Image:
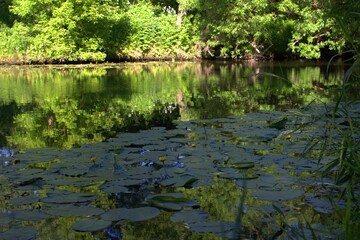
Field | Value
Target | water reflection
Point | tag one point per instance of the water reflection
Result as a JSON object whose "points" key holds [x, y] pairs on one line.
{"points": [[5, 153], [66, 106]]}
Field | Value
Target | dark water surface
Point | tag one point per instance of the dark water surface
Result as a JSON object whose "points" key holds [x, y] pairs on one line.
{"points": [[66, 106]]}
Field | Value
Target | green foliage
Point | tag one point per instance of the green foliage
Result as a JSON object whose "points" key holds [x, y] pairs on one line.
{"points": [[73, 30], [153, 34], [69, 30], [14, 42], [5, 16], [314, 33], [346, 16]]}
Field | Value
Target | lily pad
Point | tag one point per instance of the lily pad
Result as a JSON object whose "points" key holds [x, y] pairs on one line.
{"points": [[19, 233], [69, 210], [211, 226], [30, 215], [63, 197], [169, 197], [139, 171], [277, 196], [91, 225], [129, 182], [256, 147], [269, 209], [170, 206], [133, 214], [243, 165], [73, 171], [321, 205], [113, 187], [190, 216], [279, 124], [25, 200], [238, 176], [5, 218], [179, 181]]}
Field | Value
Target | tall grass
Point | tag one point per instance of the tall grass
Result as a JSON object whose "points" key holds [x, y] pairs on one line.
{"points": [[341, 139]]}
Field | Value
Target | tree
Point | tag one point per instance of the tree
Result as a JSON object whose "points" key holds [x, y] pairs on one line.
{"points": [[71, 30], [346, 17], [90, 30], [5, 16]]}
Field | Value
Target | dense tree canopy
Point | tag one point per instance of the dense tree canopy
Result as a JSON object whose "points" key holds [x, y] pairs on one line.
{"points": [[89, 30]]}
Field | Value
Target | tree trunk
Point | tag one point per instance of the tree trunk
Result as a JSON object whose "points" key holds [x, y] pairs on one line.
{"points": [[180, 14]]}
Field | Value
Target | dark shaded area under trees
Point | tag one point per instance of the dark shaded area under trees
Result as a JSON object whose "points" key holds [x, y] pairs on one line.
{"points": [[95, 31]]}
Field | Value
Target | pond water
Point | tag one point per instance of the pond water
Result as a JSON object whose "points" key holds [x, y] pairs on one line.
{"points": [[166, 151], [66, 106]]}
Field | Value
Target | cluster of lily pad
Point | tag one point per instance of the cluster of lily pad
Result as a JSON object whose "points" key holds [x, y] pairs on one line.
{"points": [[143, 174]]}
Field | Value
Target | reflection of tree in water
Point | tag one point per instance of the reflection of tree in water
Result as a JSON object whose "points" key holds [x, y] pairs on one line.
{"points": [[162, 115], [63, 124], [7, 114], [86, 105]]}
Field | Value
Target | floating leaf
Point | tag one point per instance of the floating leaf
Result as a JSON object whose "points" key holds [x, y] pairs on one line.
{"points": [[179, 181], [256, 147], [321, 205], [29, 179], [5, 218], [211, 226], [243, 165], [169, 197], [91, 225], [25, 200], [277, 196], [238, 176], [19, 233], [279, 124], [74, 171], [129, 182], [189, 216], [70, 210], [113, 187], [68, 197], [228, 170], [133, 214], [139, 170], [269, 209], [166, 205], [30, 215]]}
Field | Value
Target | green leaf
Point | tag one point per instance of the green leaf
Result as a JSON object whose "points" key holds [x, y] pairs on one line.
{"points": [[132, 214], [19, 233], [70, 210], [91, 225], [189, 216]]}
